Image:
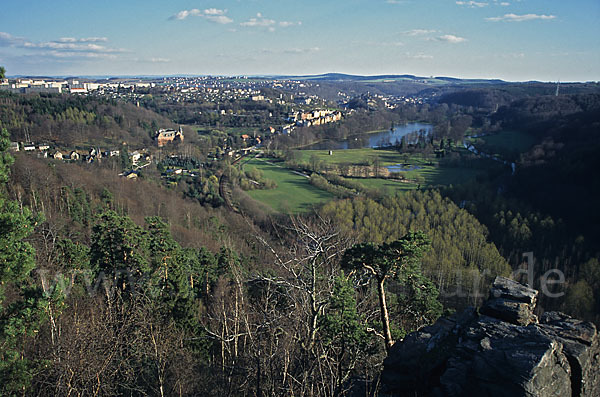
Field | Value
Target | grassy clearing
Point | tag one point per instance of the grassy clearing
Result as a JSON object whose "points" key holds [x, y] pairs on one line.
{"points": [[431, 173], [357, 156], [443, 175], [390, 186], [293, 194]]}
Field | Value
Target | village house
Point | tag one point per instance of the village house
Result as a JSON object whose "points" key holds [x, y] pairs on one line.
{"points": [[303, 100], [57, 155], [287, 129], [74, 155], [135, 157], [130, 174], [43, 146], [164, 136], [14, 146]]}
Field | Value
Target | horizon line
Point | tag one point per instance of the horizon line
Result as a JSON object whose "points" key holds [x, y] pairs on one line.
{"points": [[292, 76]]}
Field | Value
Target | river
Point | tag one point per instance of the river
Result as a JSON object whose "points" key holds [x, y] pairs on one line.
{"points": [[375, 139]]}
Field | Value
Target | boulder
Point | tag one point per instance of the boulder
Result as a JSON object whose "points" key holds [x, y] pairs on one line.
{"points": [[500, 351], [511, 302]]}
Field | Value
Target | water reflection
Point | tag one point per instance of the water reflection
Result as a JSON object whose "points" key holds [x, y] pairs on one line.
{"points": [[411, 132]]}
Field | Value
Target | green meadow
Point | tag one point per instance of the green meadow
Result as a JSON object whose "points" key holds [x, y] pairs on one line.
{"points": [[430, 173], [293, 194]]}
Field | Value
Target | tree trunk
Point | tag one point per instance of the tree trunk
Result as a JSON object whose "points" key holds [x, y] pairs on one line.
{"points": [[385, 318]]}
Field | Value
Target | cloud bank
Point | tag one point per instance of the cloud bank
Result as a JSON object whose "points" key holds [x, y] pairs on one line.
{"points": [[261, 22], [472, 4], [450, 38], [211, 14], [520, 18], [64, 47]]}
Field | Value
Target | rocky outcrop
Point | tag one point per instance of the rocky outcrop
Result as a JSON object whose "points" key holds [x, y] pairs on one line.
{"points": [[511, 302], [501, 350]]}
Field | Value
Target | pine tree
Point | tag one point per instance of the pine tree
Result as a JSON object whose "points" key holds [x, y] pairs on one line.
{"points": [[22, 303], [398, 259], [119, 252]]}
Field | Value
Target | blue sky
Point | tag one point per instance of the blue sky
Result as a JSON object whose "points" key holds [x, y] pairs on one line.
{"points": [[515, 40]]}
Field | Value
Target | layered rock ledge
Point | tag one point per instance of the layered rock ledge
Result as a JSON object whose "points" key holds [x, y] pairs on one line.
{"points": [[500, 350]]}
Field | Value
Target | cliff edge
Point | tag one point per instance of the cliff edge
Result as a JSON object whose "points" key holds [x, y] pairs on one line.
{"points": [[501, 350]]}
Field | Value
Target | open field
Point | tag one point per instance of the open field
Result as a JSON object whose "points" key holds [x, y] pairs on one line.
{"points": [[293, 194], [358, 156], [430, 172], [391, 186], [443, 175], [239, 131]]}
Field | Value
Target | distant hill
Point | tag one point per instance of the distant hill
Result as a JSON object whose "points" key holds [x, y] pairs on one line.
{"points": [[389, 77]]}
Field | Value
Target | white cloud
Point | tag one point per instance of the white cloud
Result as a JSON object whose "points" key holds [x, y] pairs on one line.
{"points": [[391, 44], [520, 18], [77, 55], [450, 38], [65, 47], [8, 40], [285, 24], [83, 40], [504, 4], [396, 1], [71, 46], [184, 14], [418, 32], [259, 21], [270, 24], [301, 50], [220, 19], [293, 50], [150, 60], [211, 14], [513, 55], [214, 11], [418, 56], [472, 4]]}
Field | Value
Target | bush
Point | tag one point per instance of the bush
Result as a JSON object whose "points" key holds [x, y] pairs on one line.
{"points": [[270, 184], [322, 183]]}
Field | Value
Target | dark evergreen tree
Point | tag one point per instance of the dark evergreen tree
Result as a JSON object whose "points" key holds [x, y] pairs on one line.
{"points": [[22, 303], [398, 260]]}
